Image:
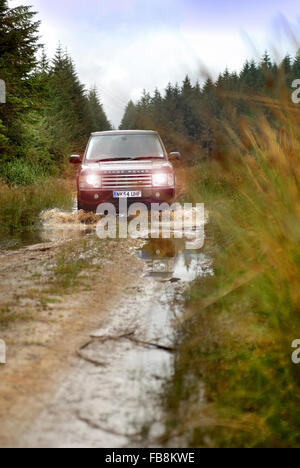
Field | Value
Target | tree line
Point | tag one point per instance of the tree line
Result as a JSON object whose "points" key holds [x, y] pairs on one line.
{"points": [[192, 118], [48, 112]]}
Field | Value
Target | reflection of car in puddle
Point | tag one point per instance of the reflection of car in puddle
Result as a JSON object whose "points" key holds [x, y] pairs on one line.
{"points": [[168, 260]]}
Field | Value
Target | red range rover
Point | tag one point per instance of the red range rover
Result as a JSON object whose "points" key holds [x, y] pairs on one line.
{"points": [[132, 164]]}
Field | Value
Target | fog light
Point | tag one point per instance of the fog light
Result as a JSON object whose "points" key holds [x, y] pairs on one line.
{"points": [[157, 194], [96, 196]]}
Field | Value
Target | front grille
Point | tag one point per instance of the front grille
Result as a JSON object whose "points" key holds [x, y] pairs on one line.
{"points": [[113, 181]]}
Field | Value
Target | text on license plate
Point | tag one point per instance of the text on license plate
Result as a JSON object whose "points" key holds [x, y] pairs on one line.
{"points": [[128, 194]]}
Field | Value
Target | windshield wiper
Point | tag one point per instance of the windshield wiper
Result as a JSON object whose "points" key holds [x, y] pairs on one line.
{"points": [[148, 157]]}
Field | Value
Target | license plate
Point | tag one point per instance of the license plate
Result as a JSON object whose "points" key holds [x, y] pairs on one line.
{"points": [[128, 194]]}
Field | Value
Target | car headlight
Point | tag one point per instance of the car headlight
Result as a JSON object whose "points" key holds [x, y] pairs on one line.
{"points": [[162, 179], [90, 181]]}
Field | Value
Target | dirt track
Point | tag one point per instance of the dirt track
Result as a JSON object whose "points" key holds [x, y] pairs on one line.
{"points": [[87, 362], [44, 344]]}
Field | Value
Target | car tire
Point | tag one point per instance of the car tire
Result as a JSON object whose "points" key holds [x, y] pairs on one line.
{"points": [[79, 206]]}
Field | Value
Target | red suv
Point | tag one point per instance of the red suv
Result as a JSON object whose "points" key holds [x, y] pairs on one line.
{"points": [[130, 164]]}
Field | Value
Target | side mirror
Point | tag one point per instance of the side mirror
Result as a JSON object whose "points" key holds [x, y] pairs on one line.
{"points": [[175, 155], [75, 159]]}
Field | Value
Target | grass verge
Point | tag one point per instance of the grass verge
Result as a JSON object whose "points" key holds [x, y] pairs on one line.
{"points": [[20, 206], [235, 384]]}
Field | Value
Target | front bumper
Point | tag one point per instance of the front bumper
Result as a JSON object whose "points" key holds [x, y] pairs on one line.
{"points": [[89, 199]]}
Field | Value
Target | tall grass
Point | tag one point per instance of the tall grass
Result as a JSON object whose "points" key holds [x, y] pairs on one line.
{"points": [[19, 172], [20, 206], [240, 324]]}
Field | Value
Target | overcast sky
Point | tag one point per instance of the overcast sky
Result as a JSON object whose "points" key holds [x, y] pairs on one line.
{"points": [[124, 46]]}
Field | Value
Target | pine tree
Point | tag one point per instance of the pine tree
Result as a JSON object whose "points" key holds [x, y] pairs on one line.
{"points": [[98, 118], [296, 66], [286, 64], [266, 63], [68, 110], [18, 47], [187, 86], [43, 64], [129, 120]]}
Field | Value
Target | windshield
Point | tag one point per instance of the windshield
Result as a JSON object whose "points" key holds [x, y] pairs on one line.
{"points": [[124, 147]]}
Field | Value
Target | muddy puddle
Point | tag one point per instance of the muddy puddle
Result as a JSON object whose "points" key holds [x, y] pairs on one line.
{"points": [[112, 396], [54, 225], [57, 225]]}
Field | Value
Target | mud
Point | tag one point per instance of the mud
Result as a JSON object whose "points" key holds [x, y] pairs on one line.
{"points": [[110, 396]]}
